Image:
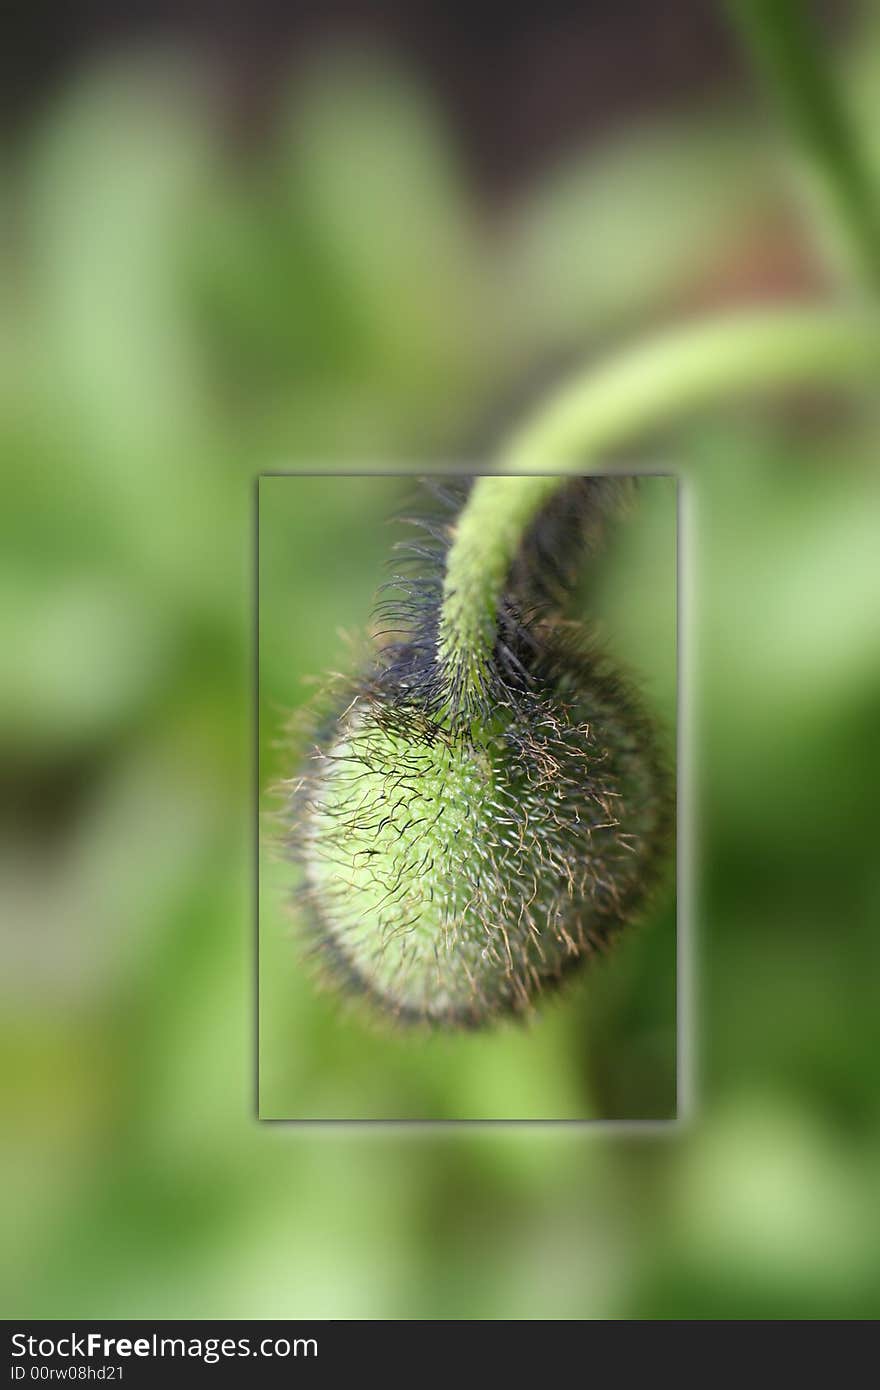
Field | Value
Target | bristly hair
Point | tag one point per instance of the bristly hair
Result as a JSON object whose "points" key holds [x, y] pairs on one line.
{"points": [[542, 578], [573, 846]]}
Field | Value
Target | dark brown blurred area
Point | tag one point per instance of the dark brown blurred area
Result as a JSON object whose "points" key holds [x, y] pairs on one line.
{"points": [[520, 85]]}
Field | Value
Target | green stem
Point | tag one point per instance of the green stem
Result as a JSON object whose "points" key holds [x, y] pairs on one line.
{"points": [[692, 366], [607, 407], [488, 535], [786, 44]]}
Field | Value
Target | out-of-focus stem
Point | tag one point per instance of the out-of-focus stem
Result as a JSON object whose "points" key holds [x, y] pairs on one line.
{"points": [[786, 45], [611, 405]]}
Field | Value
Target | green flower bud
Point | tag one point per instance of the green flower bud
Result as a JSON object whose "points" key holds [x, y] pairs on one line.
{"points": [[459, 864]]}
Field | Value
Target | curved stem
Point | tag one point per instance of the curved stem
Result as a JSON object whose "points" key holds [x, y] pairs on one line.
{"points": [[686, 368], [605, 408]]}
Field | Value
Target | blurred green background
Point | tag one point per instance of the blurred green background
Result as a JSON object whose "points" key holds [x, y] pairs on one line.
{"points": [[185, 308], [608, 1050]]}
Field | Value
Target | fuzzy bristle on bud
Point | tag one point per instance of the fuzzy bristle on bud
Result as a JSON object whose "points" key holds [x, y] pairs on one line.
{"points": [[455, 872]]}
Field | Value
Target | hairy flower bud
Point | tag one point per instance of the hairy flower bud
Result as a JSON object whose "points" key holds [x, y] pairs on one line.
{"points": [[458, 867]]}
